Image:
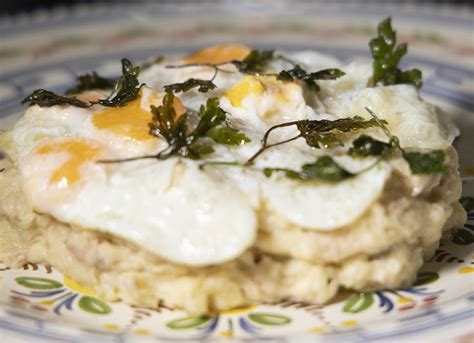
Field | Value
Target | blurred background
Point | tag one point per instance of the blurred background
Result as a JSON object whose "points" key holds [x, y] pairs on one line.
{"points": [[18, 6]]}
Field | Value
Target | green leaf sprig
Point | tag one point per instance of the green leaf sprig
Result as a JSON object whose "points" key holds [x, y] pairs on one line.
{"points": [[324, 169], [227, 135], [427, 163], [45, 98], [316, 133], [90, 82], [420, 163], [309, 79], [365, 146], [255, 63], [186, 141], [386, 56], [127, 87], [202, 86]]}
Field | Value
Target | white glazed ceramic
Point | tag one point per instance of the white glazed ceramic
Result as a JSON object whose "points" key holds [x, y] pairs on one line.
{"points": [[47, 50]]}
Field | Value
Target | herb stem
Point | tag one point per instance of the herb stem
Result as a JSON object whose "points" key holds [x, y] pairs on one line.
{"points": [[385, 129], [127, 159], [286, 59], [266, 147], [210, 65]]}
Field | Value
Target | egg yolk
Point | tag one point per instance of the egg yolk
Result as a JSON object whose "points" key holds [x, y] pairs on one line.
{"points": [[247, 85], [220, 53], [79, 152], [257, 85], [130, 121]]}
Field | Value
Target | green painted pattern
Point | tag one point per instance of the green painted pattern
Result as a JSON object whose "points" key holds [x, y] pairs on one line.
{"points": [[265, 318], [358, 303], [188, 322], [38, 282], [94, 305]]}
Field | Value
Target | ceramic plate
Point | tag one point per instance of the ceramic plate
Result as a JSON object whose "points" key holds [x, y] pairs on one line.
{"points": [[47, 50]]}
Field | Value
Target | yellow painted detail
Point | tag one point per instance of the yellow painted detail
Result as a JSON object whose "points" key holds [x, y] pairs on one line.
{"points": [[317, 329], [47, 302], [143, 332], [239, 310], [247, 85], [466, 270], [220, 53], [111, 326], [226, 333], [348, 323], [79, 152], [405, 300], [75, 286]]}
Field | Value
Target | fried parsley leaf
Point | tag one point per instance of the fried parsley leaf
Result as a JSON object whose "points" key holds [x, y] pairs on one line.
{"points": [[386, 56], [255, 62], [90, 82], [44, 98], [426, 163], [127, 87], [227, 135], [204, 86], [185, 141], [165, 123], [309, 79], [365, 146], [319, 133], [210, 116], [324, 169]]}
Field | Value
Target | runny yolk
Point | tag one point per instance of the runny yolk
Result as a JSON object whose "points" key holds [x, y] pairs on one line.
{"points": [[246, 86], [130, 121], [257, 85], [79, 152], [219, 54]]}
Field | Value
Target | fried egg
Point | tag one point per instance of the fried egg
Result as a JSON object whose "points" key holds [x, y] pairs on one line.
{"points": [[172, 208], [198, 216]]}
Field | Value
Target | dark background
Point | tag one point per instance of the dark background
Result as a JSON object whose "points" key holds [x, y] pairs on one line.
{"points": [[12, 7]]}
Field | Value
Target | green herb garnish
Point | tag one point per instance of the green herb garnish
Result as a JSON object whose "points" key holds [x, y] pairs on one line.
{"points": [[183, 141], [324, 169], [90, 82], [386, 56], [203, 86], [420, 163], [309, 79], [166, 124], [44, 98], [127, 87], [365, 146], [255, 62], [227, 135], [317, 133], [426, 163]]}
